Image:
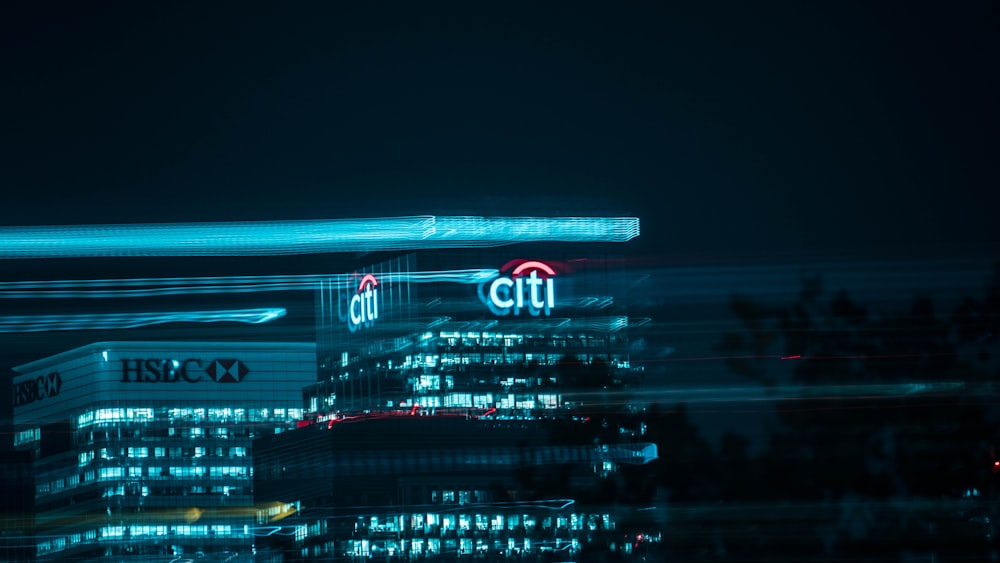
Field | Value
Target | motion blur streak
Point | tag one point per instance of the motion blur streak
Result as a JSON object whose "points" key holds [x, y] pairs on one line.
{"points": [[475, 459], [777, 393], [151, 287], [265, 238], [43, 323]]}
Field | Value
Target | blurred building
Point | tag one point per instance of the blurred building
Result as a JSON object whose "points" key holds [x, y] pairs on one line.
{"points": [[143, 449], [418, 487], [468, 403], [16, 506], [473, 331]]}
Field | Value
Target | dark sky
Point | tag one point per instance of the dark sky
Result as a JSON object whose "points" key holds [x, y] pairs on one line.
{"points": [[729, 128], [738, 132]]}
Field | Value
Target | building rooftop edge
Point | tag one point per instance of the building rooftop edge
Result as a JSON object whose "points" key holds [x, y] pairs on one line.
{"points": [[141, 344]]}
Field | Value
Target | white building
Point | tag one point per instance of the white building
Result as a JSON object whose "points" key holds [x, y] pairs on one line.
{"points": [[143, 448]]}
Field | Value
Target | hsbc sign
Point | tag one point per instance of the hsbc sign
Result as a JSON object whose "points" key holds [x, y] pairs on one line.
{"points": [[43, 386], [187, 371]]}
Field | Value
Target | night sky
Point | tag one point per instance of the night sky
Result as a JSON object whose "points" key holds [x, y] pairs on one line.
{"points": [[754, 140], [738, 132], [730, 129]]}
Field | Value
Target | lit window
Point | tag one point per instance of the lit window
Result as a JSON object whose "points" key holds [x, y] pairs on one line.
{"points": [[112, 472], [27, 436]]}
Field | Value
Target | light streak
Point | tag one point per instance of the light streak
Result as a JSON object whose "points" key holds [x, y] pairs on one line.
{"points": [[103, 321], [696, 395], [265, 238], [152, 287]]}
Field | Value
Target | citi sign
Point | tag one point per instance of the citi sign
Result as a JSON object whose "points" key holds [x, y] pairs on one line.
{"points": [[43, 386], [363, 307], [189, 371], [529, 286]]}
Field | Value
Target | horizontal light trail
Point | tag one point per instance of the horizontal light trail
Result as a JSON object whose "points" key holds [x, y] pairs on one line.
{"points": [[467, 460], [45, 323], [265, 238], [151, 287], [691, 395]]}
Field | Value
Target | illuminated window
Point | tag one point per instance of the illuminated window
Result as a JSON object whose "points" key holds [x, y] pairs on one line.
{"points": [[85, 458], [112, 472], [458, 400], [139, 415], [112, 532], [548, 400], [27, 436]]}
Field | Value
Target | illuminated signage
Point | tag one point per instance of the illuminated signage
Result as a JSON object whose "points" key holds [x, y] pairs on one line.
{"points": [[27, 392], [363, 307], [529, 286], [173, 371]]}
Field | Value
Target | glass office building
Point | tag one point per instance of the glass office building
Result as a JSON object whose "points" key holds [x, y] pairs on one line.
{"points": [[472, 331], [413, 487], [452, 416], [143, 449]]}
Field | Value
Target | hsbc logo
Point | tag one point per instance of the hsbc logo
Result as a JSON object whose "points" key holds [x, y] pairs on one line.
{"points": [[529, 286], [43, 386], [190, 371], [227, 371], [363, 307]]}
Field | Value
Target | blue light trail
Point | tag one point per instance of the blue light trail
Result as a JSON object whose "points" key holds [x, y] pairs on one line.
{"points": [[45, 323], [151, 287], [265, 238]]}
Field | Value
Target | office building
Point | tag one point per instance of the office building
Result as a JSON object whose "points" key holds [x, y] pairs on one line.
{"points": [[143, 449]]}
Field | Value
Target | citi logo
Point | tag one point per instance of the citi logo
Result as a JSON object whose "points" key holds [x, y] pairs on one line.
{"points": [[27, 392], [363, 308], [530, 285]]}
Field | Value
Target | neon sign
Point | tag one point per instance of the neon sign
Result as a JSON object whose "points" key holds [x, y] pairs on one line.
{"points": [[363, 308], [530, 285]]}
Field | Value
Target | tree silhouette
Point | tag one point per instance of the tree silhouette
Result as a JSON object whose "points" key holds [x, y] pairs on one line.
{"points": [[893, 412]]}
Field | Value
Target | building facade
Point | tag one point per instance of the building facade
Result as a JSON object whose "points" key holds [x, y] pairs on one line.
{"points": [[469, 404], [143, 449], [412, 487], [473, 331]]}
